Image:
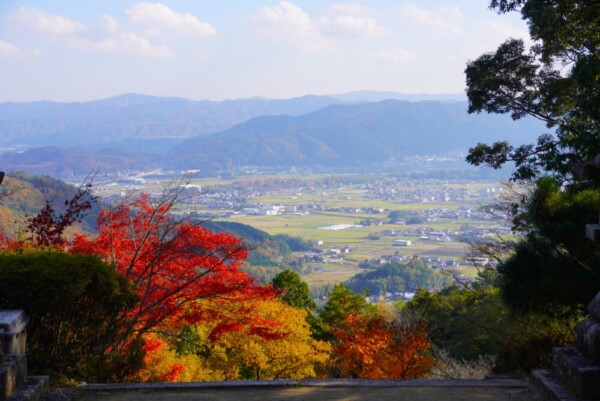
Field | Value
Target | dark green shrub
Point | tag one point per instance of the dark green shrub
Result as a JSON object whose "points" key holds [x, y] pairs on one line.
{"points": [[468, 323], [77, 309]]}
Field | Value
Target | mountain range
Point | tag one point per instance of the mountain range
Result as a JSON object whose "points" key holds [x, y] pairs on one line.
{"points": [[117, 120], [138, 132], [344, 135]]}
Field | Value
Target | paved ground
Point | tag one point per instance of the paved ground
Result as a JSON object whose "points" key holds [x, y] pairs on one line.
{"points": [[313, 390]]}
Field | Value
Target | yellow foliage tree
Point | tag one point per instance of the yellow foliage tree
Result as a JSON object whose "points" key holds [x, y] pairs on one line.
{"points": [[277, 345], [289, 352]]}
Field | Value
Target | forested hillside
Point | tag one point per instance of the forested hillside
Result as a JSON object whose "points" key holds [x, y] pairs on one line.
{"points": [[268, 254], [64, 163], [22, 195], [399, 277]]}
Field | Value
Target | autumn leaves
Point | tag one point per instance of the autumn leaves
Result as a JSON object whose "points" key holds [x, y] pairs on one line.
{"points": [[199, 316]]}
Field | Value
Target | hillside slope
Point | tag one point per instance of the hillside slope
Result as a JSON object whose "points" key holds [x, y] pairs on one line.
{"points": [[65, 163], [23, 195]]}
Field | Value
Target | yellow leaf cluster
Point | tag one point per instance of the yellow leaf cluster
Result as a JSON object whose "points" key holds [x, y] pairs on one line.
{"points": [[287, 352]]}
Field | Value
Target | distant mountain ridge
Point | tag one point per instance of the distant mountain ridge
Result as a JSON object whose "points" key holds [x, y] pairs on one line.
{"points": [[344, 135], [131, 116], [143, 132], [378, 96], [115, 121]]}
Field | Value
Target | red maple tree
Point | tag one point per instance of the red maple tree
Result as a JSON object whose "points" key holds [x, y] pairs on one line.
{"points": [[47, 228], [173, 263]]}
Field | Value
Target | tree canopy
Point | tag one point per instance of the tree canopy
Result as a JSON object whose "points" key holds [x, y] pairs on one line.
{"points": [[77, 306], [294, 291], [557, 80], [398, 277], [554, 267], [173, 263]]}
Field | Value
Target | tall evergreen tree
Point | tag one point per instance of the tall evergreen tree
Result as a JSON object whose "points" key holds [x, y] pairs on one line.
{"points": [[294, 291], [554, 267]]}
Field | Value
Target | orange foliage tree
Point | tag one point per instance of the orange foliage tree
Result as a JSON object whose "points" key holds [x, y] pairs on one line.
{"points": [[382, 347], [173, 263]]}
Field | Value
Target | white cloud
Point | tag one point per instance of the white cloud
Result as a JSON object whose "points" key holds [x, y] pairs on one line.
{"points": [[355, 9], [46, 23], [444, 20], [394, 56], [10, 51], [500, 30], [352, 19], [288, 23], [120, 41], [78, 36], [488, 34], [160, 17]]}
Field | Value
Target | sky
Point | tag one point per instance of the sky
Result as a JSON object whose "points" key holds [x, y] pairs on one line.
{"points": [[64, 50]]}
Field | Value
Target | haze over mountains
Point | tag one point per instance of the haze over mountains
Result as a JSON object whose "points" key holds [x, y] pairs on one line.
{"points": [[131, 116], [136, 132]]}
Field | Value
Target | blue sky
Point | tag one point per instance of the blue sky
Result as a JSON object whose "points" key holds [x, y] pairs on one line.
{"points": [[68, 50]]}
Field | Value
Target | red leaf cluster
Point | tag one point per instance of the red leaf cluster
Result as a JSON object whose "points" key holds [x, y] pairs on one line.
{"points": [[377, 347], [173, 263]]}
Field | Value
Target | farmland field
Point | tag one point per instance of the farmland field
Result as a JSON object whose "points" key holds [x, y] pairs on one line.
{"points": [[309, 204]]}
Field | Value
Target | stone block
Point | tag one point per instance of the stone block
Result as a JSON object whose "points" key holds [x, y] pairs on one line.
{"points": [[546, 387], [588, 340], [592, 232], [594, 308], [573, 369], [35, 389], [13, 374], [13, 324]]}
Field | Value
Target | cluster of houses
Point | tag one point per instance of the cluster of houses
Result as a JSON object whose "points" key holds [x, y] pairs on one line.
{"points": [[330, 255], [461, 213], [435, 262], [466, 234], [425, 191], [391, 296], [415, 191]]}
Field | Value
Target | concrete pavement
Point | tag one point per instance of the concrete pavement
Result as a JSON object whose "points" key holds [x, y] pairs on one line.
{"points": [[314, 390]]}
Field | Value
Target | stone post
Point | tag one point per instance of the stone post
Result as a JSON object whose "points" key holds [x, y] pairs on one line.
{"points": [[13, 362]]}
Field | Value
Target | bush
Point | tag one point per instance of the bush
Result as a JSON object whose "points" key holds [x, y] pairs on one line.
{"points": [[76, 305], [468, 323], [447, 367]]}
